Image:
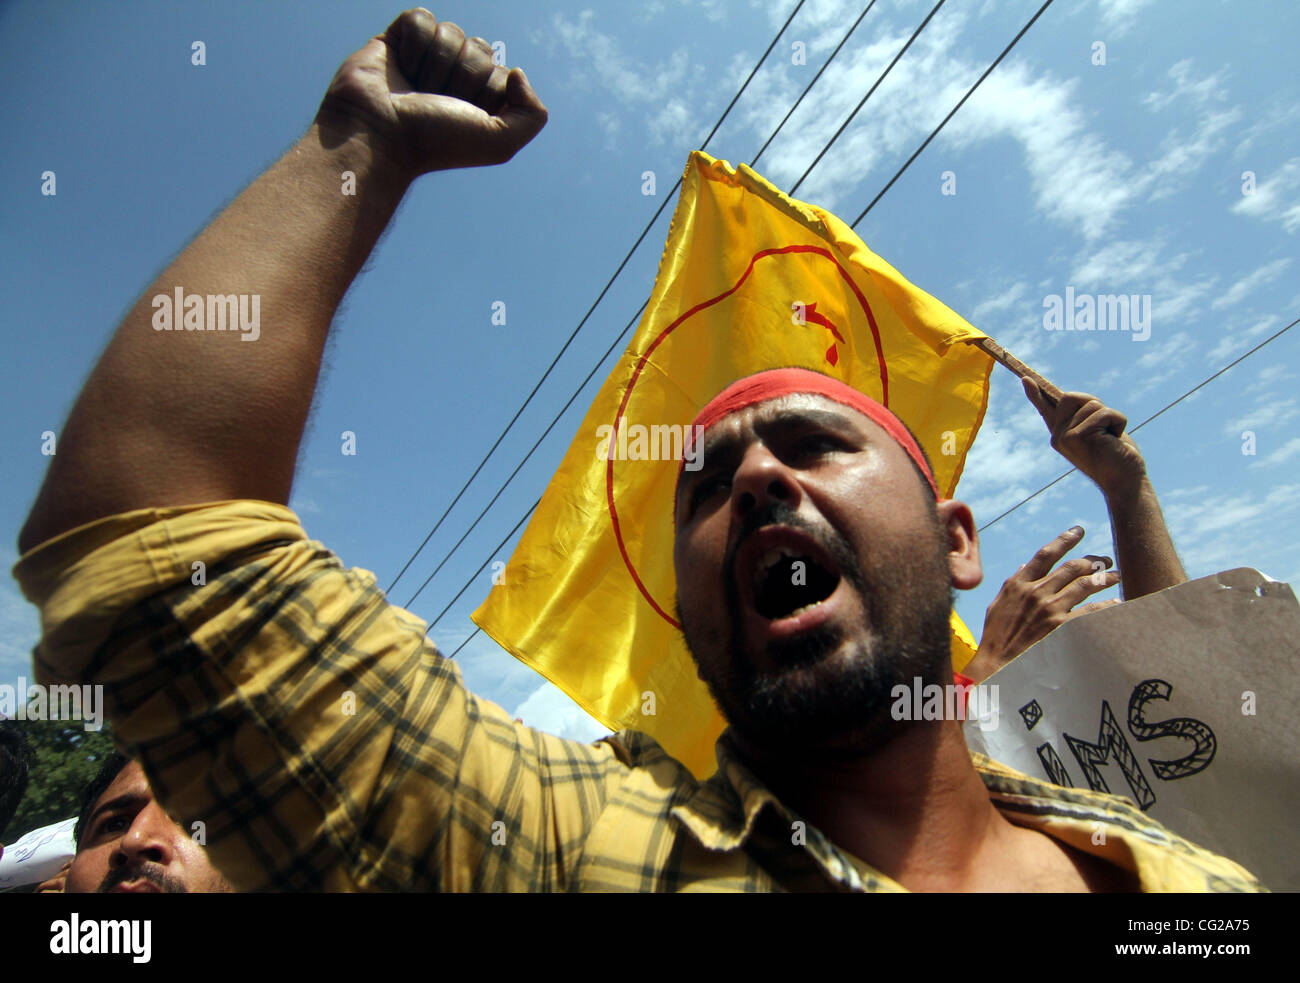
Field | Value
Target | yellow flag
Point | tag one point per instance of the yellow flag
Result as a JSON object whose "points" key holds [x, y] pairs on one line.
{"points": [[750, 279]]}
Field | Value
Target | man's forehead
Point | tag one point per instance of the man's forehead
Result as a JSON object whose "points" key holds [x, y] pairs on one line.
{"points": [[129, 781], [788, 409]]}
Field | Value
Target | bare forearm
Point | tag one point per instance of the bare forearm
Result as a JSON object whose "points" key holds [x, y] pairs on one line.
{"points": [[1143, 548], [174, 417]]}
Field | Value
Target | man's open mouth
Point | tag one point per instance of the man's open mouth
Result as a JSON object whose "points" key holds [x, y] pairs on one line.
{"points": [[782, 573]]}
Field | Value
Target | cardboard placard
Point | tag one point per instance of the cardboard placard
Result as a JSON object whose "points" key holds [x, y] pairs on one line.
{"points": [[1186, 702]]}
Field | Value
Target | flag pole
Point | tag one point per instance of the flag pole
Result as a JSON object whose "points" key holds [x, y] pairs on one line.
{"points": [[1001, 355]]}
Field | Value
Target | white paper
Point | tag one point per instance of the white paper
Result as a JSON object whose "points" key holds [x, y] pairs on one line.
{"points": [[38, 855]]}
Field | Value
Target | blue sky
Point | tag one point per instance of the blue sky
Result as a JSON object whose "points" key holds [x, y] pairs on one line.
{"points": [[1125, 177]]}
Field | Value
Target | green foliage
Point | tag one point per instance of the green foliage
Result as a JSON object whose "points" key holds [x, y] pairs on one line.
{"points": [[65, 759]]}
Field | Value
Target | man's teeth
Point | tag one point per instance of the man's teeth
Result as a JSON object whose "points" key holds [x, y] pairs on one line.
{"points": [[798, 611], [770, 559]]}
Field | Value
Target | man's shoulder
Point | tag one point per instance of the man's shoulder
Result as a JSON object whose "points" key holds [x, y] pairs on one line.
{"points": [[1113, 828], [638, 751]]}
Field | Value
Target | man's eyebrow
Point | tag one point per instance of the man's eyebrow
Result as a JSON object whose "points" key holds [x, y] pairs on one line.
{"points": [[130, 798], [803, 417], [718, 450]]}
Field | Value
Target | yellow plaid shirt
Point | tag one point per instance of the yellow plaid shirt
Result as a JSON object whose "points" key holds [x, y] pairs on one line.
{"points": [[277, 697]]}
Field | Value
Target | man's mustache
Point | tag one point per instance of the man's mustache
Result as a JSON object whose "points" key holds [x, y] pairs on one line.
{"points": [[780, 514], [154, 873]]}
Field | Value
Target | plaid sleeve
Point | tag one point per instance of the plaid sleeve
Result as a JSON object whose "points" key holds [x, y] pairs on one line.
{"points": [[278, 699]]}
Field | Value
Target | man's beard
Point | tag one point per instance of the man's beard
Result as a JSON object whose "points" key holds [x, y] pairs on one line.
{"points": [[821, 699]]}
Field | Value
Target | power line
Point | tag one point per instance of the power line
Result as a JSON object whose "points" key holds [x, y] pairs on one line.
{"points": [[1133, 430], [594, 304], [634, 317], [952, 113], [472, 636], [901, 51], [825, 65], [473, 525], [505, 539], [537, 443]]}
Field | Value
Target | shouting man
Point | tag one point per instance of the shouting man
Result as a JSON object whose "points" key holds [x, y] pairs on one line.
{"points": [[230, 692]]}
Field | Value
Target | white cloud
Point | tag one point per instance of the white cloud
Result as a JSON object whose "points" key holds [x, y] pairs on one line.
{"points": [[20, 627], [1278, 115], [1275, 198], [1201, 93], [1074, 177], [1141, 266], [1248, 284], [548, 708], [714, 10], [1268, 411], [1236, 339], [1119, 15], [486, 667], [1217, 529], [1001, 302], [1284, 453], [1014, 317], [1127, 261], [1163, 357], [650, 88], [1180, 158], [305, 506], [1268, 375]]}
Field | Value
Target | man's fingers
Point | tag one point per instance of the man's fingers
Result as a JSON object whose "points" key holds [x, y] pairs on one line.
{"points": [[441, 58], [1042, 562], [410, 37], [1094, 420], [493, 97], [1095, 606], [1086, 586], [426, 50], [1079, 413], [1035, 394], [524, 114], [471, 72], [1070, 571]]}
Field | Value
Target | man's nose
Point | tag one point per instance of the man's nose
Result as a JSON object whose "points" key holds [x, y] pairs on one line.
{"points": [[761, 479], [149, 837]]}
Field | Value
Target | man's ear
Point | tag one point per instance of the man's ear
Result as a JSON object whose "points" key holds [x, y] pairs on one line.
{"points": [[963, 543]]}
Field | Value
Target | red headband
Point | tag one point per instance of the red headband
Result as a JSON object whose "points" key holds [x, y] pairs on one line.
{"points": [[773, 383]]}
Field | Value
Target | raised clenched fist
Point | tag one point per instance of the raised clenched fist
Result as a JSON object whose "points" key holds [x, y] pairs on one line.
{"points": [[426, 98]]}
